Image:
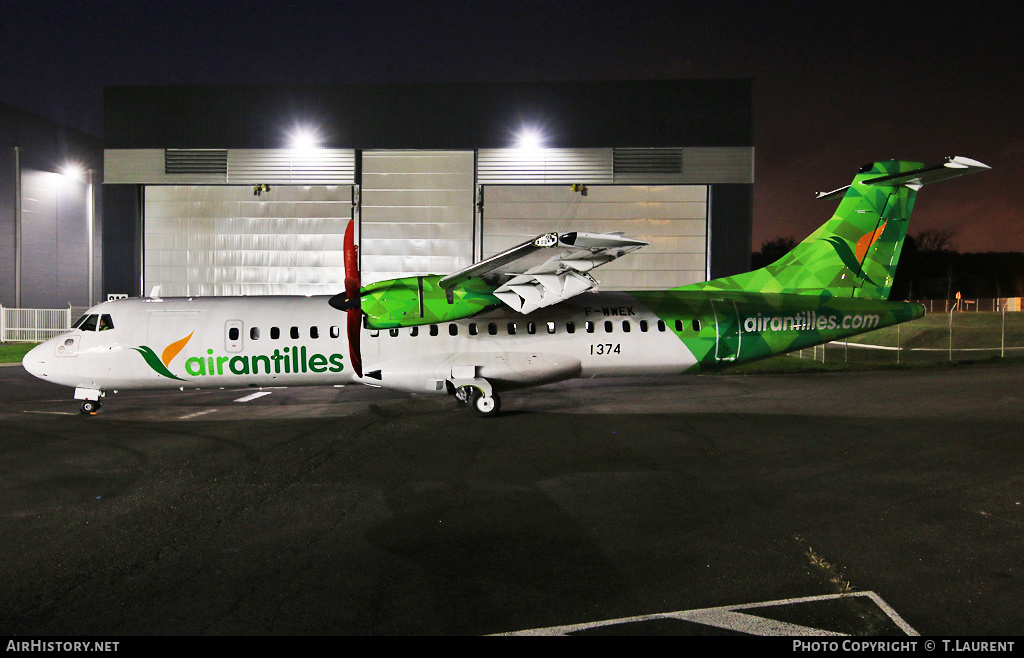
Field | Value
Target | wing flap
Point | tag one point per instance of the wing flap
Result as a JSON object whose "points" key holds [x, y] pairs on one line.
{"points": [[547, 269]]}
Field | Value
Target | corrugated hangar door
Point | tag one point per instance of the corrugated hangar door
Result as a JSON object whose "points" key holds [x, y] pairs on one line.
{"points": [[226, 240], [416, 213], [672, 218]]}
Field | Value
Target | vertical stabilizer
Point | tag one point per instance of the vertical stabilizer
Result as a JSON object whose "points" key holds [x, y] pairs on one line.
{"points": [[855, 253]]}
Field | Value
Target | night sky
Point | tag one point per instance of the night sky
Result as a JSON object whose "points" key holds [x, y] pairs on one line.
{"points": [[836, 85]]}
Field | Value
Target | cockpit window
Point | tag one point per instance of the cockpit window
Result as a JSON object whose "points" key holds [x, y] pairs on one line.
{"points": [[93, 322], [87, 323]]}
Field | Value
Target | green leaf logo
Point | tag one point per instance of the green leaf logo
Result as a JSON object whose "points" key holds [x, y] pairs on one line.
{"points": [[160, 365]]}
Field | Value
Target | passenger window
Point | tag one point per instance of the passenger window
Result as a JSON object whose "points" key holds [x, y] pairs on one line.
{"points": [[679, 325], [393, 332], [414, 331], [275, 333], [433, 330], [335, 332], [492, 328], [254, 333], [453, 330], [233, 333], [696, 324], [511, 328], [374, 333], [643, 325], [531, 328], [570, 327], [295, 333], [89, 324], [551, 327], [607, 326], [314, 332], [472, 328], [661, 325], [625, 326], [590, 327]]}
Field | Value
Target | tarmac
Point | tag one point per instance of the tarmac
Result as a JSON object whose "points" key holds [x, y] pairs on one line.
{"points": [[867, 503]]}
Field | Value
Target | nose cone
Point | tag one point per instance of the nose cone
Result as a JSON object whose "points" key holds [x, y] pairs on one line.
{"points": [[35, 360]]}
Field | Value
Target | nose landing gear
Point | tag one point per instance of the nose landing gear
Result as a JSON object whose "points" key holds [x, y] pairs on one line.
{"points": [[90, 407], [90, 400]]}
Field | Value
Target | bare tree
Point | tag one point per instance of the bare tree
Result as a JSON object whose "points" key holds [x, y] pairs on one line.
{"points": [[936, 240], [1018, 285]]}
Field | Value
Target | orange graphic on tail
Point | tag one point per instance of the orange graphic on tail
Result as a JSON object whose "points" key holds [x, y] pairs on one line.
{"points": [[866, 241]]}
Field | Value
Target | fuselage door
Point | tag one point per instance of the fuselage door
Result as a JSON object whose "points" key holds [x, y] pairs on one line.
{"points": [[727, 329], [233, 336]]}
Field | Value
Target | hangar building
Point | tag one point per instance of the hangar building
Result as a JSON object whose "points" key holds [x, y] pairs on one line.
{"points": [[49, 233], [247, 190]]}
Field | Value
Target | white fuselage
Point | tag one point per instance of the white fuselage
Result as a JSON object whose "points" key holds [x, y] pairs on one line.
{"points": [[301, 341]]}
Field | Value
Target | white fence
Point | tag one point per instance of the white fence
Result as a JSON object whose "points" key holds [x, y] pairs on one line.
{"points": [[33, 324]]}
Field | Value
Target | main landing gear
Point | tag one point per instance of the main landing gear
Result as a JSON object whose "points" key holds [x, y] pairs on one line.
{"points": [[484, 406], [471, 389]]}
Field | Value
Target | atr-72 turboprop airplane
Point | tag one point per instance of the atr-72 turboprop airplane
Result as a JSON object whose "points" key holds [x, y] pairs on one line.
{"points": [[516, 319]]}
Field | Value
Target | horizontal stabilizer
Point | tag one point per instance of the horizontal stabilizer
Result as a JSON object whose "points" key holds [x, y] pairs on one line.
{"points": [[953, 167]]}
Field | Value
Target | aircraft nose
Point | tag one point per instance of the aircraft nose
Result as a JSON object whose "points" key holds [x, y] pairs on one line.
{"points": [[39, 361], [35, 360]]}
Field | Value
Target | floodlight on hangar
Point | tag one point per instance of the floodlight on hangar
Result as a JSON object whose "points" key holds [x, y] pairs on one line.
{"points": [[529, 138], [73, 170], [303, 138]]}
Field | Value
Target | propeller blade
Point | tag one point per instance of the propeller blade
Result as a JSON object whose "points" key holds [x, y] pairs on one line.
{"points": [[351, 302], [355, 319]]}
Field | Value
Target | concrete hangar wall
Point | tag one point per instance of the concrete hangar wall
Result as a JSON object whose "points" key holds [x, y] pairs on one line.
{"points": [[208, 193]]}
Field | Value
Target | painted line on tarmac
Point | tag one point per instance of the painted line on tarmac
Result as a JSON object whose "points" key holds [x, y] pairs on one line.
{"points": [[51, 413], [254, 396], [733, 618], [192, 415]]}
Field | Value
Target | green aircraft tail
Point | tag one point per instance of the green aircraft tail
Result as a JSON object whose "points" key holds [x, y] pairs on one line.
{"points": [[854, 254]]}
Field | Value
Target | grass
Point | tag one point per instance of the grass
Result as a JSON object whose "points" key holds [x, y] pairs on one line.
{"points": [[13, 352]]}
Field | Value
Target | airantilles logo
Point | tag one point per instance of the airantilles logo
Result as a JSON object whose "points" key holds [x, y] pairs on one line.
{"points": [[291, 360], [160, 364], [854, 258]]}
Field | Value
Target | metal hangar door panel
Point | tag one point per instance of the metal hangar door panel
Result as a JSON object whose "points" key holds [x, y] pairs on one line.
{"points": [[672, 218], [207, 240], [416, 213]]}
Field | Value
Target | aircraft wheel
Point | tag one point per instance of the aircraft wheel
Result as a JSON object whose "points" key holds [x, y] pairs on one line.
{"points": [[464, 394], [484, 407], [90, 407]]}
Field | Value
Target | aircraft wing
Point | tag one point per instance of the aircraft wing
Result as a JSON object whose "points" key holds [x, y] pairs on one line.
{"points": [[547, 269]]}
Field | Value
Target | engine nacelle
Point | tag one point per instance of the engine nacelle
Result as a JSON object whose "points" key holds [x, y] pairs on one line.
{"points": [[504, 370], [418, 300]]}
